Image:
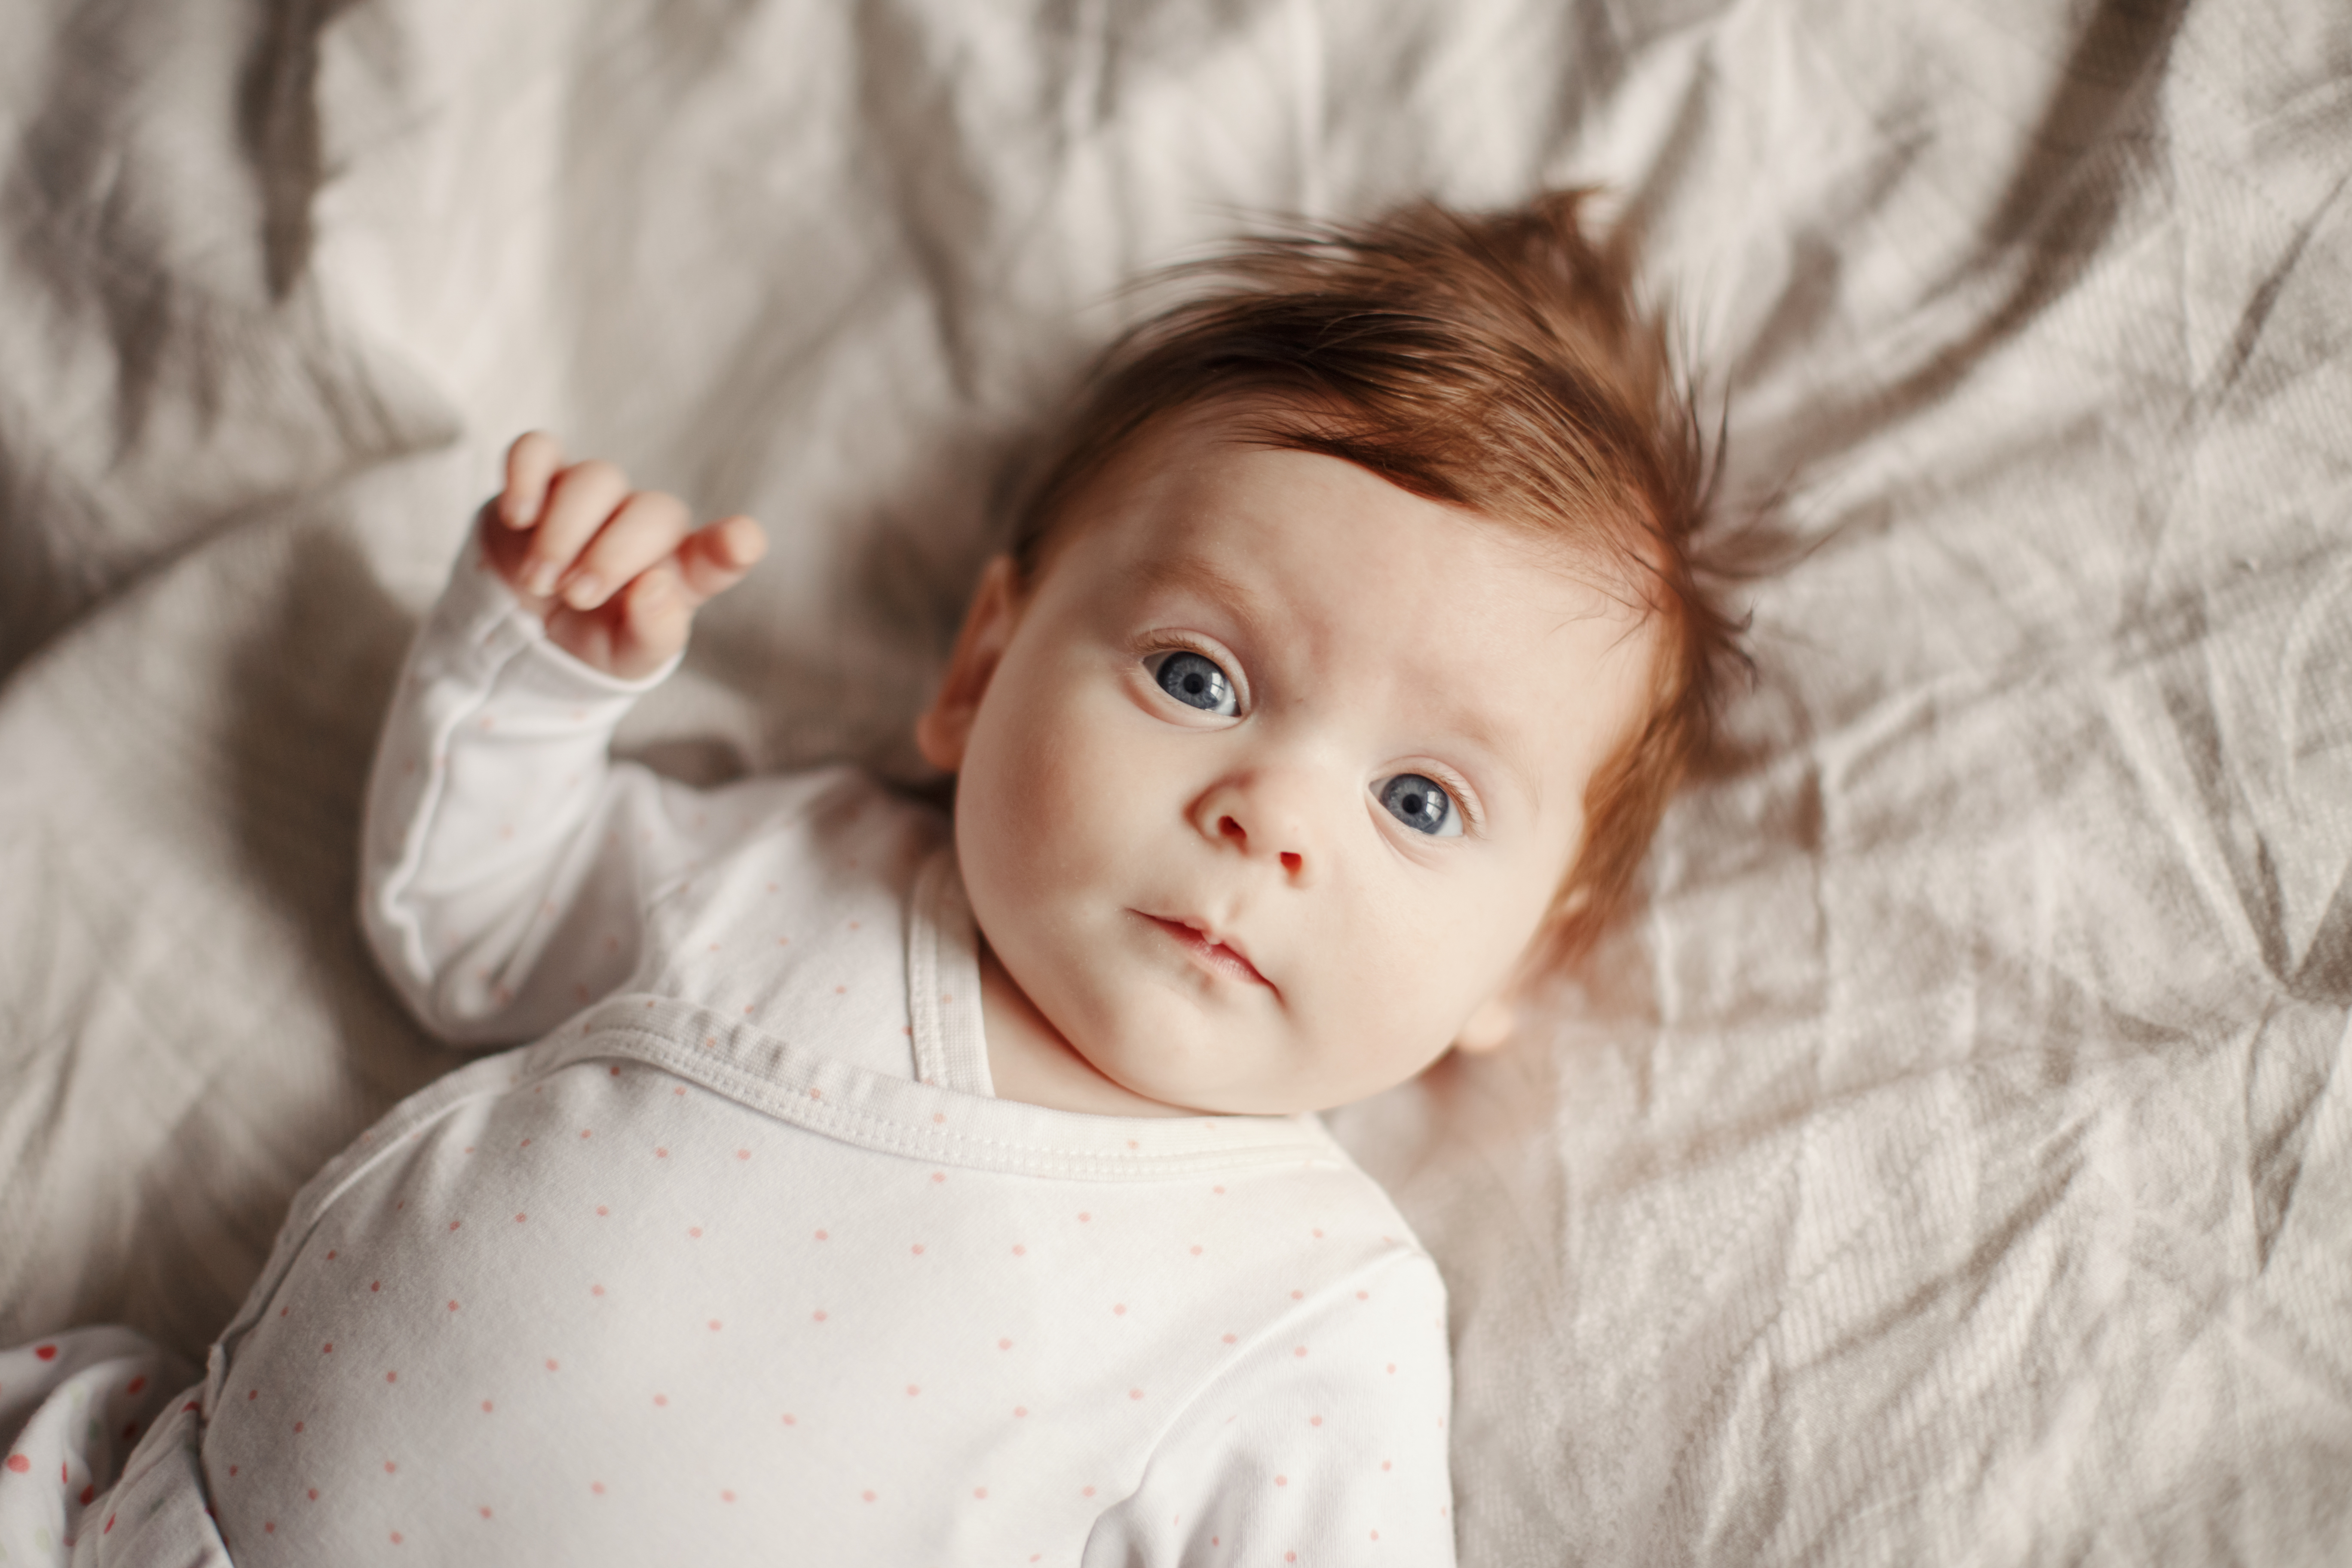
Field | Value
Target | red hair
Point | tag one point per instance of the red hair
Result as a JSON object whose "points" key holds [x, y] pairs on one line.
{"points": [[1497, 362]]}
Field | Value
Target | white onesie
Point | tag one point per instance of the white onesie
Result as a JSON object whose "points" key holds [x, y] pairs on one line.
{"points": [[742, 1261]]}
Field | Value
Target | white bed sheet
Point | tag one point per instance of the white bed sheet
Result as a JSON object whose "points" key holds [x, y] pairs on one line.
{"points": [[1951, 1160]]}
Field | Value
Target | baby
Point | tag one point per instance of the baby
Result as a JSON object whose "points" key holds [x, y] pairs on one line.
{"points": [[884, 1190]]}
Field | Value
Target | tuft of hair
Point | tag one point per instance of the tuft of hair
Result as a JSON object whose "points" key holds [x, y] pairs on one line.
{"points": [[1499, 362]]}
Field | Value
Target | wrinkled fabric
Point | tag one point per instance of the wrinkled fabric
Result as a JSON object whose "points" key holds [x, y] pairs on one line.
{"points": [[74, 1408], [1947, 1161]]}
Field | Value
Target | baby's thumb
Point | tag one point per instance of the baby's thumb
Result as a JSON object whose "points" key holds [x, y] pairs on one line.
{"points": [[716, 556]]}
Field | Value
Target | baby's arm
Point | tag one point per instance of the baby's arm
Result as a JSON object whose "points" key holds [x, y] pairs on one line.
{"points": [[507, 861]]}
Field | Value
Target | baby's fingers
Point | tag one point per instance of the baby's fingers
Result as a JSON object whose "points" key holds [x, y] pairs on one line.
{"points": [[531, 462], [715, 557], [648, 621], [646, 528], [641, 625], [583, 495]]}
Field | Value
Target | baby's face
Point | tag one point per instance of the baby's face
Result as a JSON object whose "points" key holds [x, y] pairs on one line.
{"points": [[1277, 769]]}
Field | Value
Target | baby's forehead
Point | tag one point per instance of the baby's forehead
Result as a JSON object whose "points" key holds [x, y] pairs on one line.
{"points": [[1196, 482]]}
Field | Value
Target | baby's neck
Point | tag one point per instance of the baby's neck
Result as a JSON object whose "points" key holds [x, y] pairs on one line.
{"points": [[1029, 1060]]}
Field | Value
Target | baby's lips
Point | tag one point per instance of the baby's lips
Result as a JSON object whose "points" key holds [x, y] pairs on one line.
{"points": [[1219, 948], [1227, 948]]}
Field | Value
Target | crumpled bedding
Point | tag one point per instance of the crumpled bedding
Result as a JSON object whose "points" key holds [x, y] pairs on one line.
{"points": [[1949, 1160]]}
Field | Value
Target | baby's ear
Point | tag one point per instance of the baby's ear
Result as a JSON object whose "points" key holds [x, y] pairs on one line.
{"points": [[1492, 1022], [1491, 1026], [945, 729]]}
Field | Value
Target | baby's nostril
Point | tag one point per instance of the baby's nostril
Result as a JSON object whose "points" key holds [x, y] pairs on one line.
{"points": [[1290, 862], [1230, 828]]}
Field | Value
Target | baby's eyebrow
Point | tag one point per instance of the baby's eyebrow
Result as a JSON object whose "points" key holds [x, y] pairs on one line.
{"points": [[1198, 575]]}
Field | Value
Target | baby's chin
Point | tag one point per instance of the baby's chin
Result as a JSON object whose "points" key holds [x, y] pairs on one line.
{"points": [[1183, 1044], [1212, 1078], [1197, 1046]]}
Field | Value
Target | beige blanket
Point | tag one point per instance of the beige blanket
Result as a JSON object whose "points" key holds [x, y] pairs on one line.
{"points": [[1950, 1162]]}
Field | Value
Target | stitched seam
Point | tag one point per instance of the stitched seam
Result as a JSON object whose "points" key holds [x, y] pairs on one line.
{"points": [[863, 1127]]}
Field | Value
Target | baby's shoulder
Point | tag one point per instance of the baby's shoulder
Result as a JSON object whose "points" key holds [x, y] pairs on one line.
{"points": [[797, 916], [822, 829]]}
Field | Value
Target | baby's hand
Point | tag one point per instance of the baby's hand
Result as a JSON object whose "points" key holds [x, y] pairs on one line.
{"points": [[616, 573]]}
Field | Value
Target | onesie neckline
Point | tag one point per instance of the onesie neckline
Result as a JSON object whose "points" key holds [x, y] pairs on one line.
{"points": [[946, 1110]]}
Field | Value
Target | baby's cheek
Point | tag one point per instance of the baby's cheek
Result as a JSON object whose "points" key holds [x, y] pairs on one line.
{"points": [[1039, 833], [1382, 1029], [1411, 970]]}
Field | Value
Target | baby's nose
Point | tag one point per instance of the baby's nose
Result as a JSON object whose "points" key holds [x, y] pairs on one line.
{"points": [[1293, 861], [1260, 819]]}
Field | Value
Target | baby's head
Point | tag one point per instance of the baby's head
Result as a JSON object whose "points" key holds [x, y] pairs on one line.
{"points": [[1345, 655]]}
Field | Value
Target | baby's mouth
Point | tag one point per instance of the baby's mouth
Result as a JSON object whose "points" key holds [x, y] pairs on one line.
{"points": [[1217, 957]]}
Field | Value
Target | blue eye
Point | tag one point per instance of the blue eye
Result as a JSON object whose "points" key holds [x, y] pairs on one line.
{"points": [[1421, 804], [1196, 682]]}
